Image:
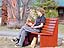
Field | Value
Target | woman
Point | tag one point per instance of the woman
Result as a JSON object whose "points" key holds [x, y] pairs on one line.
{"points": [[36, 27]]}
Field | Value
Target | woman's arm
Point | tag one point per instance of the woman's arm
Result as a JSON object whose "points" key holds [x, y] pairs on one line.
{"points": [[39, 26]]}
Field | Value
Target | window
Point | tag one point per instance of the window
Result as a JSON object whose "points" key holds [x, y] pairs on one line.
{"points": [[61, 11]]}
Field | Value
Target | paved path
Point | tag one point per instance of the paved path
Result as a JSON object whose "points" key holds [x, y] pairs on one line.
{"points": [[8, 33], [13, 33]]}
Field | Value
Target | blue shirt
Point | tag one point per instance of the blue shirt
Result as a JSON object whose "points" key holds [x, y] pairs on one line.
{"points": [[40, 20]]}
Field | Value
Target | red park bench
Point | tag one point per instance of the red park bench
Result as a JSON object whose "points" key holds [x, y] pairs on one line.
{"points": [[48, 34]]}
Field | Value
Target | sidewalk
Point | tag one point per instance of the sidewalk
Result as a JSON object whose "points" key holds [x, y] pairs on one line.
{"points": [[8, 33]]}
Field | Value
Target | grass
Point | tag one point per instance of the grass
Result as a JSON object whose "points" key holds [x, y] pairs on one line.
{"points": [[61, 28], [5, 28]]}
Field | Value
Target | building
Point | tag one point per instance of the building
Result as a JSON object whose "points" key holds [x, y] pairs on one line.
{"points": [[60, 9]]}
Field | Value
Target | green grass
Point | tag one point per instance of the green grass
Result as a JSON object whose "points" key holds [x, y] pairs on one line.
{"points": [[61, 28]]}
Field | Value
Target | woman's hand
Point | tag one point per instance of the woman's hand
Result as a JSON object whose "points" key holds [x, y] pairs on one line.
{"points": [[29, 24], [33, 26], [39, 26]]}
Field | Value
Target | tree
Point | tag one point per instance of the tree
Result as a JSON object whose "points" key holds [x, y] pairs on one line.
{"points": [[25, 11], [51, 7], [48, 5], [12, 13], [4, 13]]}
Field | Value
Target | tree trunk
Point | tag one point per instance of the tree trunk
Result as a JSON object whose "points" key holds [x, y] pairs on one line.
{"points": [[4, 13], [13, 13], [25, 11]]}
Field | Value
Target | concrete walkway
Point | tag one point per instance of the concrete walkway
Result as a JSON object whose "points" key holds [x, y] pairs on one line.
{"points": [[13, 33], [8, 33]]}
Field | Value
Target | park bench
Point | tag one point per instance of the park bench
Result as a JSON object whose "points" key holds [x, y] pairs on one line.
{"points": [[48, 34]]}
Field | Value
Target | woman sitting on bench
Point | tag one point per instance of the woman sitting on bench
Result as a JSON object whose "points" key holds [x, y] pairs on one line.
{"points": [[29, 27]]}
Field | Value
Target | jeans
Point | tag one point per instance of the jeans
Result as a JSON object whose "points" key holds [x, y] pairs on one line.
{"points": [[23, 33]]}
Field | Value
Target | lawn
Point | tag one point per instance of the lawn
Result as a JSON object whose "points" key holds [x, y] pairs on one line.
{"points": [[61, 28]]}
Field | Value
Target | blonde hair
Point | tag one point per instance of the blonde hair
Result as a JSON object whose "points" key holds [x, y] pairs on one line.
{"points": [[41, 10]]}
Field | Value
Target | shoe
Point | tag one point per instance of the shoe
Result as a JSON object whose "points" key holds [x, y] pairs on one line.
{"points": [[15, 39], [16, 45]]}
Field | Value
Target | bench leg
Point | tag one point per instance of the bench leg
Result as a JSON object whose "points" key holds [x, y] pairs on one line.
{"points": [[33, 43]]}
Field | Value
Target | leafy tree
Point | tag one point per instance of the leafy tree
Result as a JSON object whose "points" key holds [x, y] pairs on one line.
{"points": [[49, 5]]}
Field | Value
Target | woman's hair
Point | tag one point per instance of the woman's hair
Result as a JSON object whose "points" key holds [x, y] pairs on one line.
{"points": [[41, 10]]}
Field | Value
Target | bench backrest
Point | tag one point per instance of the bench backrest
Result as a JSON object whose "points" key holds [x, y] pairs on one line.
{"points": [[51, 25]]}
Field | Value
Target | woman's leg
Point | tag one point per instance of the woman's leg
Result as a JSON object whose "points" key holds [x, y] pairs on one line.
{"points": [[28, 29], [22, 38], [17, 38], [19, 34], [23, 33]]}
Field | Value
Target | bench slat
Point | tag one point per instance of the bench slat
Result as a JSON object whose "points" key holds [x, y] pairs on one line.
{"points": [[46, 26], [44, 33], [48, 29]]}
